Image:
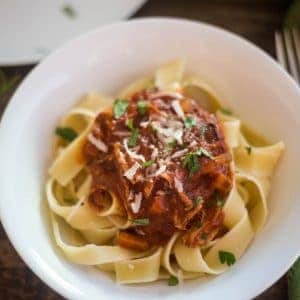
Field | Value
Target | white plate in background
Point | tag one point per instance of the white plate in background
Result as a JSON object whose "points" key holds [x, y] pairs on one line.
{"points": [[31, 29]]}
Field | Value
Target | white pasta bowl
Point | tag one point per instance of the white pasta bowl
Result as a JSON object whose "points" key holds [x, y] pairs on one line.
{"points": [[248, 80]]}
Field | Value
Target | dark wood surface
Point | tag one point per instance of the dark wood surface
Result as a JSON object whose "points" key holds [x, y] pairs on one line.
{"points": [[254, 20]]}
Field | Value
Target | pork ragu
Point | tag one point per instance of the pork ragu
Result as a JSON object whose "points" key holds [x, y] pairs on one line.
{"points": [[166, 160]]}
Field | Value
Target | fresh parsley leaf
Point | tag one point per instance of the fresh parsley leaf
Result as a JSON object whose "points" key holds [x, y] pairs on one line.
{"points": [[226, 111], [227, 257], [69, 11], [171, 145], [198, 224], [7, 85], [134, 137], [134, 133], [148, 163], [173, 281], [120, 107], [142, 107], [129, 124], [220, 201], [202, 151], [198, 200], [189, 122], [67, 133], [191, 162], [248, 149], [141, 222]]}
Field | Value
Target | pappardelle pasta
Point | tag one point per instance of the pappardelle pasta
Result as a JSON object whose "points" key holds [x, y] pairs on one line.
{"points": [[161, 183]]}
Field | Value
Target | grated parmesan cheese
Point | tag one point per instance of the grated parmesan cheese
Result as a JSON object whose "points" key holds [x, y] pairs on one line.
{"points": [[179, 153], [136, 205], [133, 154], [129, 174], [161, 170], [97, 143], [178, 185], [177, 108], [154, 154]]}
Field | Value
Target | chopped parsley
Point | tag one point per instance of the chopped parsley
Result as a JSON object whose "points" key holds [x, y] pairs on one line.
{"points": [[148, 163], [198, 224], [202, 151], [69, 11], [203, 130], [129, 124], [134, 133], [226, 111], [171, 145], [189, 122], [120, 107], [227, 257], [141, 222], [220, 201], [142, 107], [134, 137], [248, 149], [173, 280], [198, 200], [7, 85], [67, 133], [191, 162]]}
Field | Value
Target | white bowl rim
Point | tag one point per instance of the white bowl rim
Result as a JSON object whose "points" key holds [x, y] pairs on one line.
{"points": [[8, 224]]}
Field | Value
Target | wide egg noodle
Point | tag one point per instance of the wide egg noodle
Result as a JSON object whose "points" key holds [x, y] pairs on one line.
{"points": [[245, 208]]}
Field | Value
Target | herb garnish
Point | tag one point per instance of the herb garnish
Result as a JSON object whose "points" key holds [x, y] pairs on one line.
{"points": [[67, 133], [148, 163], [141, 222], [226, 111], [142, 107], [189, 122], [248, 149], [134, 133], [202, 151], [69, 11], [227, 257], [220, 201], [198, 200], [7, 84], [191, 162], [134, 137], [173, 280], [129, 124], [171, 145], [120, 107]]}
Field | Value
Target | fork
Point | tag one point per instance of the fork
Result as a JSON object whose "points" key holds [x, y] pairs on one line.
{"points": [[287, 44]]}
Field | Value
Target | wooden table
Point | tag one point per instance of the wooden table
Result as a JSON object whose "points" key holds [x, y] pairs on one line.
{"points": [[254, 20]]}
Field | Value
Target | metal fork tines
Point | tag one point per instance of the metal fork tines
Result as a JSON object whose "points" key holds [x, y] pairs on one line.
{"points": [[288, 51]]}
